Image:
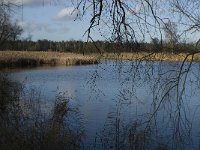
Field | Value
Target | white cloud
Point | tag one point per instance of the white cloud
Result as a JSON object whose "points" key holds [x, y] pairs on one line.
{"points": [[31, 27], [138, 6], [67, 13], [45, 28]]}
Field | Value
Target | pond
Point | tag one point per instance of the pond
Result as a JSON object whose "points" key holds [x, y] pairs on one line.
{"points": [[112, 105]]}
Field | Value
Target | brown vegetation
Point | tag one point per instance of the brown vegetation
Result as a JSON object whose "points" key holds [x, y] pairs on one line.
{"points": [[23, 59], [33, 58], [153, 56]]}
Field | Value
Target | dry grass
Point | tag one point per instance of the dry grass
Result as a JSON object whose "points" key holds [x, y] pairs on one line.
{"points": [[153, 56], [33, 58]]}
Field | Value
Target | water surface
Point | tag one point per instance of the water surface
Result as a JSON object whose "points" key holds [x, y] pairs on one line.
{"points": [[113, 105]]}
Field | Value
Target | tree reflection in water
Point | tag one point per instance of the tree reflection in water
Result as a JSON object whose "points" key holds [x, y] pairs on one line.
{"points": [[24, 125], [154, 107]]}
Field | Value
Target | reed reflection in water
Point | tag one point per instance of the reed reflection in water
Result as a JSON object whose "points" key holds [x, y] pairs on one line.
{"points": [[25, 125]]}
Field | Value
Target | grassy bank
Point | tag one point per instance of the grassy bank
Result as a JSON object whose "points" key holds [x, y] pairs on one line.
{"points": [[153, 56], [33, 58]]}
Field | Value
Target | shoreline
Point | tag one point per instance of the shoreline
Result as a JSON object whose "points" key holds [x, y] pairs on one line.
{"points": [[13, 59], [145, 56]]}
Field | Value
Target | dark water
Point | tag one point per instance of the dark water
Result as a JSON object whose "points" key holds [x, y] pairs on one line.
{"points": [[113, 105]]}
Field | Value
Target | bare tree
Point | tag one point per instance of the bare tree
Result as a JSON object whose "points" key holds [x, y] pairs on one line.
{"points": [[189, 15], [120, 18], [156, 44], [139, 20], [171, 34], [9, 30]]}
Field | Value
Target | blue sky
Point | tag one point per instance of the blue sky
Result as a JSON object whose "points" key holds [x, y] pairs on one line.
{"points": [[56, 20], [51, 20]]}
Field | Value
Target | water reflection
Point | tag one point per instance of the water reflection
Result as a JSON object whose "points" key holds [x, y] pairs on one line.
{"points": [[24, 125], [155, 107], [121, 105]]}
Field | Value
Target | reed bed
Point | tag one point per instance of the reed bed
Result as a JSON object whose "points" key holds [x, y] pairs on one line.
{"points": [[144, 56], [33, 58]]}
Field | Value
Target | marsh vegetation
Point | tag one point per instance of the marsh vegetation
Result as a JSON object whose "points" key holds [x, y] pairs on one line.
{"points": [[27, 123], [12, 59], [17, 59]]}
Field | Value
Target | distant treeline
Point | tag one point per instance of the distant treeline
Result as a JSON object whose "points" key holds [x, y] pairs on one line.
{"points": [[98, 46]]}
